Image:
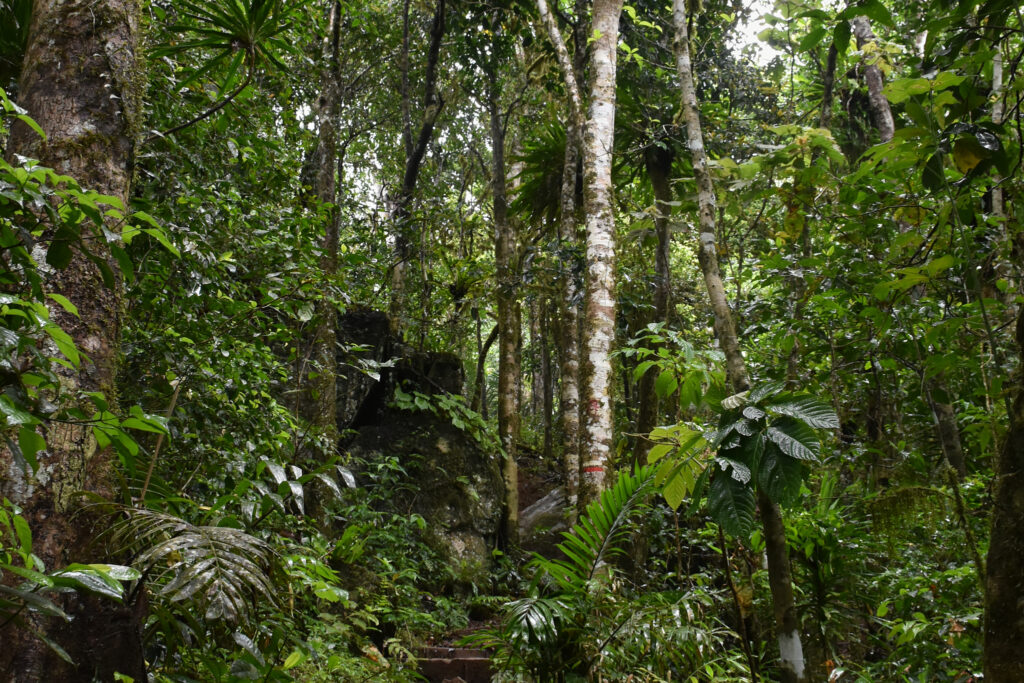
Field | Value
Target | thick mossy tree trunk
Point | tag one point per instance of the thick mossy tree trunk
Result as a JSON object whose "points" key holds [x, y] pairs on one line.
{"points": [[568, 308], [787, 621], [1003, 656], [81, 82], [599, 300]]}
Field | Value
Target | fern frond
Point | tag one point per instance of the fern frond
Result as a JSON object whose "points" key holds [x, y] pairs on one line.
{"points": [[599, 532]]}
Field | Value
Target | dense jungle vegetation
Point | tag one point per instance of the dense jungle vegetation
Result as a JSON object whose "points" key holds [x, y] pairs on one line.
{"points": [[609, 338]]}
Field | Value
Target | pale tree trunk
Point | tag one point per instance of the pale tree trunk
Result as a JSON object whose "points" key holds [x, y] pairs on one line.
{"points": [[569, 392], [599, 301], [415, 149], [508, 311], [658, 162], [1003, 657], [547, 381], [873, 77], [787, 621], [81, 82]]}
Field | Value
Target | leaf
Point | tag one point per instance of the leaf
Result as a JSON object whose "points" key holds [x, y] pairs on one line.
{"points": [[780, 476], [740, 472], [794, 438], [15, 415], [59, 254], [31, 442], [731, 504], [876, 11], [736, 400], [932, 177], [967, 154], [64, 342], [814, 412], [64, 303], [812, 39], [666, 384], [764, 390], [841, 36]]}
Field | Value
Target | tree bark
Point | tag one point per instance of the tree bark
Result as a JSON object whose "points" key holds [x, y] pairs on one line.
{"points": [[599, 302], [873, 77], [569, 392], [1003, 658], [81, 83], [787, 621]]}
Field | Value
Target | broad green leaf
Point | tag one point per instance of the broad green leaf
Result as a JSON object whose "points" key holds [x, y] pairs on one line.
{"points": [[810, 410], [794, 438], [666, 384], [780, 476], [731, 504], [764, 390]]}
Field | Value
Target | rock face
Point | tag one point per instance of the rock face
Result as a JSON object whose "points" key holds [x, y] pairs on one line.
{"points": [[458, 487]]}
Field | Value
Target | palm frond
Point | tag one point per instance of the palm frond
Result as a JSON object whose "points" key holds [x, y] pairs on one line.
{"points": [[218, 572]]}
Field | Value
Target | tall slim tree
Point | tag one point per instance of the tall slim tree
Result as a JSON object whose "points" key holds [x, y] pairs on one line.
{"points": [[509, 318], [320, 381], [599, 301], [80, 81], [787, 620], [415, 151], [568, 310]]}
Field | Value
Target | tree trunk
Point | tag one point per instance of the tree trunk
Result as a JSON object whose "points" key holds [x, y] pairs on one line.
{"points": [[787, 622], [547, 381], [319, 404], [873, 77], [569, 394], [508, 311], [658, 162], [1002, 657], [81, 83], [599, 312], [401, 213]]}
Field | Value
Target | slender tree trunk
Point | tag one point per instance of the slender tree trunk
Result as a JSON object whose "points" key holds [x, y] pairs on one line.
{"points": [[569, 395], [599, 312], [873, 77], [658, 162], [81, 82], [1002, 657], [479, 403], [401, 213], [508, 311], [548, 399], [319, 382], [536, 371], [787, 622], [828, 81]]}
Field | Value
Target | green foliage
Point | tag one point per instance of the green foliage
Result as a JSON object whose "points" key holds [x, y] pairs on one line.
{"points": [[27, 587], [452, 407], [763, 439]]}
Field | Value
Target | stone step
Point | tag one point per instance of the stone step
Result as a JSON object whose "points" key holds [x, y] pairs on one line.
{"points": [[454, 664]]}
